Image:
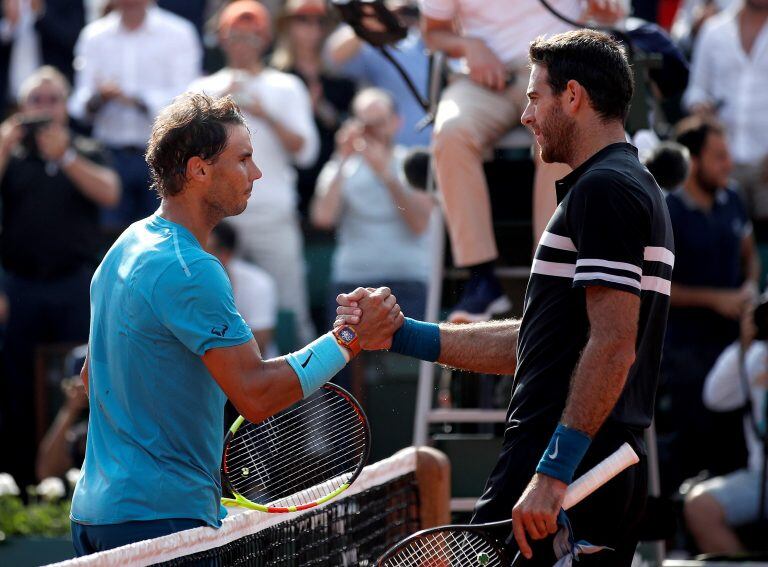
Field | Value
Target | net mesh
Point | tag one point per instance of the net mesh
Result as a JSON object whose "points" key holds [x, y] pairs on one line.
{"points": [[378, 510]]}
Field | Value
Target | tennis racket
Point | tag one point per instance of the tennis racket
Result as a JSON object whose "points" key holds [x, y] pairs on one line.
{"points": [[298, 458], [482, 545]]}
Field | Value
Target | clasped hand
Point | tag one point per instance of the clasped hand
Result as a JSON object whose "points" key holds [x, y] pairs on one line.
{"points": [[373, 313]]}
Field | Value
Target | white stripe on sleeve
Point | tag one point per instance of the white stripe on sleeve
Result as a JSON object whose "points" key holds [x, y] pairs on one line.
{"points": [[583, 263]]}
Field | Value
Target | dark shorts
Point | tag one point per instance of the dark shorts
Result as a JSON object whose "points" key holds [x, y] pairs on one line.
{"points": [[609, 517], [89, 539]]}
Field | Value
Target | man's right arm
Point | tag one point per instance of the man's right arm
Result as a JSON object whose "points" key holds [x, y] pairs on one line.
{"points": [[485, 68], [486, 347], [258, 388]]}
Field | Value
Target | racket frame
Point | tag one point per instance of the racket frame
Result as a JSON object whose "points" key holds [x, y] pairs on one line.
{"points": [[586, 484], [242, 501]]}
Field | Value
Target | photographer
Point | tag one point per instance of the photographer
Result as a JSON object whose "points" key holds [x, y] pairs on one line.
{"points": [[382, 222], [713, 508], [51, 184]]}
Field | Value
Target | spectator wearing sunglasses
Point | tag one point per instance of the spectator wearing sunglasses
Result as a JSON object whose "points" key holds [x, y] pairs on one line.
{"points": [[302, 30]]}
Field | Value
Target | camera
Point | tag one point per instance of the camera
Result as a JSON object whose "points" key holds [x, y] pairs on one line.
{"points": [[31, 125]]}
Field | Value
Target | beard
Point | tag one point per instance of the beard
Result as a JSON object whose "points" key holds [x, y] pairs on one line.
{"points": [[558, 133], [707, 183]]}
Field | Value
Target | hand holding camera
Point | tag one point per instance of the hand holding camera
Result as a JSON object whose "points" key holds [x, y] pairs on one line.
{"points": [[11, 134]]}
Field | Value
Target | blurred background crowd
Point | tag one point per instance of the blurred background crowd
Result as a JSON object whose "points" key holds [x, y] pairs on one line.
{"points": [[343, 147]]}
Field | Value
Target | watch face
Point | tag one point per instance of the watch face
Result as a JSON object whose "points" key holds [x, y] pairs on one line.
{"points": [[347, 335]]}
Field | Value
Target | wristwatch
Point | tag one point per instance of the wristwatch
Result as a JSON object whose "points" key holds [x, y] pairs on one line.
{"points": [[347, 337]]}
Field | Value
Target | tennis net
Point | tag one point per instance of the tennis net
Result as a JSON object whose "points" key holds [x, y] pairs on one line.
{"points": [[390, 500]]}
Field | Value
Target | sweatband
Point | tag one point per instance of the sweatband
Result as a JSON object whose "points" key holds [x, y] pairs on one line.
{"points": [[417, 339], [318, 362], [564, 453]]}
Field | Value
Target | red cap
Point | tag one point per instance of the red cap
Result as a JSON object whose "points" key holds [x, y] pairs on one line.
{"points": [[246, 12]]}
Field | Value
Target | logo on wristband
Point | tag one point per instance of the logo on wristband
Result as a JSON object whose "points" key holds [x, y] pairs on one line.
{"points": [[553, 454]]}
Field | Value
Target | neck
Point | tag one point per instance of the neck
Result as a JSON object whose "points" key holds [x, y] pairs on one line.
{"points": [[189, 214], [253, 66], [700, 196], [133, 18], [599, 136], [755, 11], [307, 59]]}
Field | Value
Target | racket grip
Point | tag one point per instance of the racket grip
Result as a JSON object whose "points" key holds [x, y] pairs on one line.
{"points": [[601, 473]]}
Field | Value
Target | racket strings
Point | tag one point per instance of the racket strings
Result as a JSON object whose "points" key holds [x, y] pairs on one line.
{"points": [[447, 548], [348, 427], [290, 473], [271, 431], [297, 450]]}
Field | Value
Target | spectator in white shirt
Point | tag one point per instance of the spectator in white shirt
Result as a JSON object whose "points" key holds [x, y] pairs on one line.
{"points": [[278, 111], [254, 289], [729, 77], [129, 64], [477, 109], [715, 507]]}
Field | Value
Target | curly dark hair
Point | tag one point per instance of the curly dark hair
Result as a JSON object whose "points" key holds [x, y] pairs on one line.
{"points": [[192, 125], [594, 60]]}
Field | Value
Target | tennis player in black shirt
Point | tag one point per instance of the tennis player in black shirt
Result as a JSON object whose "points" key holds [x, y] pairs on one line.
{"points": [[586, 352]]}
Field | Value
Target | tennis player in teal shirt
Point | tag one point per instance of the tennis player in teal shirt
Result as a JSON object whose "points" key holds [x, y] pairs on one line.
{"points": [[167, 344]]}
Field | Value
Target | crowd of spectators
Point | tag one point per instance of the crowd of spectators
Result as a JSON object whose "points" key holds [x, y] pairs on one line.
{"points": [[331, 122]]}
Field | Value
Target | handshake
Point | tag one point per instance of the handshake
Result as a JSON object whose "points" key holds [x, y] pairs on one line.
{"points": [[373, 313]]}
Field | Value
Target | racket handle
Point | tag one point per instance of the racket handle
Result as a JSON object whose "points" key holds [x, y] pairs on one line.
{"points": [[601, 473]]}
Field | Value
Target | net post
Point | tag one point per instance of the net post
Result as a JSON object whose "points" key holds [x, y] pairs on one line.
{"points": [[433, 475]]}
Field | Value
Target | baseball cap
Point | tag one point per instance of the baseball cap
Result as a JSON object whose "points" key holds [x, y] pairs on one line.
{"points": [[248, 12]]}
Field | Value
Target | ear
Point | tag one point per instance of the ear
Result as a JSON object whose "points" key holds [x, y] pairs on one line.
{"points": [[197, 169], [574, 97]]}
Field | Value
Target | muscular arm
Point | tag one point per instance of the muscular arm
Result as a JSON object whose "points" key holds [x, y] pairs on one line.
{"points": [[258, 388], [488, 347], [602, 371]]}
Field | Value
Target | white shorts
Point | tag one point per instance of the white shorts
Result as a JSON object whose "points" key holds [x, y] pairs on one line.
{"points": [[738, 493]]}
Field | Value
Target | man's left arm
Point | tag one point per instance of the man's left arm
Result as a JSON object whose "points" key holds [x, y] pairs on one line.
{"points": [[750, 261], [596, 385]]}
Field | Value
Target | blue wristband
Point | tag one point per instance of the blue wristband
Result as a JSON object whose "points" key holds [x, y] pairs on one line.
{"points": [[417, 339], [564, 453], [317, 362]]}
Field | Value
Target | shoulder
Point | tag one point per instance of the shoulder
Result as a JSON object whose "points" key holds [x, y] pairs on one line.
{"points": [[608, 184], [714, 26], [98, 28], [211, 83], [168, 22], [280, 79]]}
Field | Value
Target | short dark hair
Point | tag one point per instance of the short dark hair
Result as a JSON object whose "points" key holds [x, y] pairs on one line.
{"points": [[593, 59], [192, 125], [226, 236], [668, 163], [692, 132]]}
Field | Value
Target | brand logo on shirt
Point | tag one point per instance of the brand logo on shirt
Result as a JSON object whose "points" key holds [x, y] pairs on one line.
{"points": [[220, 331]]}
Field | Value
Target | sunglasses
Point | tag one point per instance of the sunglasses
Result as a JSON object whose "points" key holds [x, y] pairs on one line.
{"points": [[306, 19], [41, 99]]}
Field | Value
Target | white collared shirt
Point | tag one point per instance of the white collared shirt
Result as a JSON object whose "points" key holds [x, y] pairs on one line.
{"points": [[285, 99], [507, 26], [25, 49], [155, 63], [723, 74]]}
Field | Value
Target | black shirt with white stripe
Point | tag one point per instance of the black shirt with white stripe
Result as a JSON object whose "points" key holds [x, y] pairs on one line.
{"points": [[610, 229]]}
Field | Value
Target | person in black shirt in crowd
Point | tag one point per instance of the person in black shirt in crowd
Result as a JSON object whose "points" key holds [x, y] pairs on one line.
{"points": [[586, 354], [51, 185]]}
